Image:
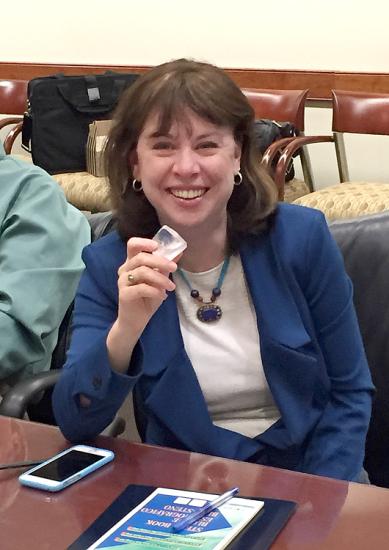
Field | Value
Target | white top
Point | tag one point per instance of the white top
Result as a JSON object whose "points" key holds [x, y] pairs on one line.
{"points": [[226, 354]]}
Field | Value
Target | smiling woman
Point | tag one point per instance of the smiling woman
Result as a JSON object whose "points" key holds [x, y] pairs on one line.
{"points": [[245, 345]]}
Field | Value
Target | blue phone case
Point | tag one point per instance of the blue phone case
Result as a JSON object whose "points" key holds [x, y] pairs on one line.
{"points": [[32, 479]]}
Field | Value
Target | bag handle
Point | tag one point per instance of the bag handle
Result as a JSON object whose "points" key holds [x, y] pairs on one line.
{"points": [[95, 105]]}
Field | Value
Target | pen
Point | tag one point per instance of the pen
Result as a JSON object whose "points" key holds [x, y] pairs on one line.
{"points": [[212, 505]]}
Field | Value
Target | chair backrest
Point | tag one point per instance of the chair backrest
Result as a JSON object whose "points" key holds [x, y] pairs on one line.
{"points": [[280, 105], [360, 112], [364, 243], [13, 97]]}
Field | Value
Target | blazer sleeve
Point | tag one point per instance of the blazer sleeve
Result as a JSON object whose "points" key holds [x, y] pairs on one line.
{"points": [[337, 444], [87, 370]]}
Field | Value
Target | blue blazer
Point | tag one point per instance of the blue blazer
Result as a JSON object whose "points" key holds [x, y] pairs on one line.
{"points": [[311, 349]]}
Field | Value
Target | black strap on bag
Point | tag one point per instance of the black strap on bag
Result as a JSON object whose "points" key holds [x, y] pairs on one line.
{"points": [[56, 125], [26, 132]]}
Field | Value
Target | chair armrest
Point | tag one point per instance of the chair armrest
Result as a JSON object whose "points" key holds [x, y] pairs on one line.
{"points": [[10, 120], [287, 154], [268, 157], [273, 149], [11, 136], [117, 427], [17, 398]]}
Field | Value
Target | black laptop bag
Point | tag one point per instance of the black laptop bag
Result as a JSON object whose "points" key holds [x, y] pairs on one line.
{"points": [[59, 111]]}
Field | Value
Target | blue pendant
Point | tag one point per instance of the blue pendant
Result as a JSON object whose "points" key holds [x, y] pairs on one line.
{"points": [[209, 313]]}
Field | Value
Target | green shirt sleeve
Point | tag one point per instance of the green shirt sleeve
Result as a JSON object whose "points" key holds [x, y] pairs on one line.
{"points": [[41, 239]]}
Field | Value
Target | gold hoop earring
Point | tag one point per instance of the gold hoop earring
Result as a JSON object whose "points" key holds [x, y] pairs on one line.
{"points": [[137, 186], [238, 178]]}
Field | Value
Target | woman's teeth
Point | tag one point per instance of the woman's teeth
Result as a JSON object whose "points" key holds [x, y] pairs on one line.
{"points": [[188, 194]]}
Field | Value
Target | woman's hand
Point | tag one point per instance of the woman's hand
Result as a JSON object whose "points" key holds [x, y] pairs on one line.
{"points": [[143, 282]]}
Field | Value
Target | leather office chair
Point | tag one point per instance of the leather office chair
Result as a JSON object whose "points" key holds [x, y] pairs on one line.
{"points": [[13, 101], [353, 112], [364, 242], [33, 395], [284, 106]]}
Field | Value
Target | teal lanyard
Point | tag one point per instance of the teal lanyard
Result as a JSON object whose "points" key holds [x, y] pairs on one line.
{"points": [[219, 283]]}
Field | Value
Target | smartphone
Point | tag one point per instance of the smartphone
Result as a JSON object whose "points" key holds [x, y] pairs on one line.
{"points": [[66, 468]]}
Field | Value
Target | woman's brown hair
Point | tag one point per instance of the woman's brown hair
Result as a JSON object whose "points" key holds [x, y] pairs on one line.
{"points": [[168, 90]]}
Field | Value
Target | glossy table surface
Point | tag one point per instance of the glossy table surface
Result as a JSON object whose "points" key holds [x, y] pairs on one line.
{"points": [[331, 514]]}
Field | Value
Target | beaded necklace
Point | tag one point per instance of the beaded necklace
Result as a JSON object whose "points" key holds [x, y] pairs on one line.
{"points": [[208, 312]]}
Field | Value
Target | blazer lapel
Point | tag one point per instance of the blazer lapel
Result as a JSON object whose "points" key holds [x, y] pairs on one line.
{"points": [[290, 356], [276, 308]]}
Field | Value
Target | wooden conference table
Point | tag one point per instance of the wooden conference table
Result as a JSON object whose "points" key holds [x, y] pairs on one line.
{"points": [[331, 514]]}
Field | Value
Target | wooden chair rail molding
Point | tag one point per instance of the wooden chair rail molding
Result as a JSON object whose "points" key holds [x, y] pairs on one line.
{"points": [[319, 83]]}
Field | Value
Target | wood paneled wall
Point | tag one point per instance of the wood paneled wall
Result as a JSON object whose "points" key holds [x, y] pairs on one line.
{"points": [[319, 83]]}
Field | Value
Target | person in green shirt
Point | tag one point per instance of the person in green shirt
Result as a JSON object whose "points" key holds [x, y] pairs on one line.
{"points": [[41, 239]]}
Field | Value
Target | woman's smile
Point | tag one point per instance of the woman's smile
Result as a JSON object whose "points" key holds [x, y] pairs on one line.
{"points": [[187, 194]]}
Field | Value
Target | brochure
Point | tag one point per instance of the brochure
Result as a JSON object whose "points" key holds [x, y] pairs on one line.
{"points": [[149, 525]]}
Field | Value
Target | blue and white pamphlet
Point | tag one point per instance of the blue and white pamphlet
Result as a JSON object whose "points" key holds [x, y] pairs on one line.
{"points": [[149, 525]]}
